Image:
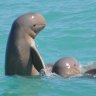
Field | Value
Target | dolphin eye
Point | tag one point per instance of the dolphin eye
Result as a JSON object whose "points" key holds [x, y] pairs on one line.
{"points": [[34, 25], [75, 65]]}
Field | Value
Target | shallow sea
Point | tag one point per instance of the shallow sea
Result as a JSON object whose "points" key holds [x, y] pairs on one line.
{"points": [[70, 31]]}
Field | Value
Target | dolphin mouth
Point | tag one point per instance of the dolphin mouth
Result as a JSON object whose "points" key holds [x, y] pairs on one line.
{"points": [[38, 29], [42, 25]]}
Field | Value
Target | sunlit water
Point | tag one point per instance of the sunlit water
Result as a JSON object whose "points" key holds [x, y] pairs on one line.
{"points": [[70, 31]]}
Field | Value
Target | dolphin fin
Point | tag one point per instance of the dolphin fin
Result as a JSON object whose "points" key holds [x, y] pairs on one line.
{"points": [[37, 60]]}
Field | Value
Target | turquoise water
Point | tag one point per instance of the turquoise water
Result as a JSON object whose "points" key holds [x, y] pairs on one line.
{"points": [[70, 31]]}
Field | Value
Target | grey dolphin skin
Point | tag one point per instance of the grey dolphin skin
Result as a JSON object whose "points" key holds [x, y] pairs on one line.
{"points": [[66, 66], [91, 72], [69, 66], [22, 56]]}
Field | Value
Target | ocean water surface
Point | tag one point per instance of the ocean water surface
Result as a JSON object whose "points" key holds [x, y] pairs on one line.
{"points": [[70, 31]]}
